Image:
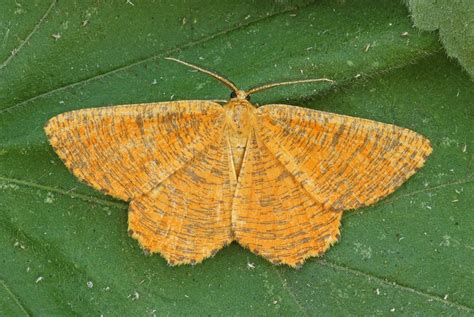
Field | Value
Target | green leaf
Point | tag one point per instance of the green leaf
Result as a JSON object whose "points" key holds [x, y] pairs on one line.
{"points": [[455, 22], [64, 249]]}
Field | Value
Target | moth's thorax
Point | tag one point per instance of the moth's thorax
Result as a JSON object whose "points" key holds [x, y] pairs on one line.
{"points": [[240, 116], [240, 119]]}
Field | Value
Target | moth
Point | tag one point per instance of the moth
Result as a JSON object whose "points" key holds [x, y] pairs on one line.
{"points": [[200, 175]]}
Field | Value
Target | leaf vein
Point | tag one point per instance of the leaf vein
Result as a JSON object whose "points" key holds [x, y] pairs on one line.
{"points": [[15, 298], [416, 192], [303, 311], [397, 285], [64, 192], [33, 31]]}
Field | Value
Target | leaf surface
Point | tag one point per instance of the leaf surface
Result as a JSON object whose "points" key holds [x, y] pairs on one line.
{"points": [[64, 247]]}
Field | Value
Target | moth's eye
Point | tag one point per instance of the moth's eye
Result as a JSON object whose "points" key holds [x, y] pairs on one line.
{"points": [[233, 94], [247, 97]]}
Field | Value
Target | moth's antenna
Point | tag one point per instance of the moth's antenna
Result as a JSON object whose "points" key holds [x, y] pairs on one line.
{"points": [[223, 80], [268, 86]]}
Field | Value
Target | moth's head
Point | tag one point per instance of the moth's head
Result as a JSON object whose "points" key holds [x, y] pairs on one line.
{"points": [[240, 95]]}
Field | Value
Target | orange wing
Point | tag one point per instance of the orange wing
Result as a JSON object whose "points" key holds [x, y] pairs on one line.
{"points": [[187, 218], [128, 150], [342, 162], [274, 216], [172, 160]]}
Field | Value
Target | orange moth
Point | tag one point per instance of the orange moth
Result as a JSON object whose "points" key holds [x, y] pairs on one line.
{"points": [[199, 175]]}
